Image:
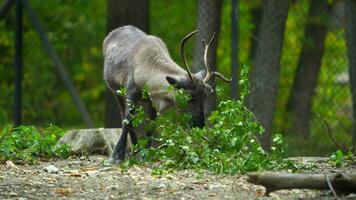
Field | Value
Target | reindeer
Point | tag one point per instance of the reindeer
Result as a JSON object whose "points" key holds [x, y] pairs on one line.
{"points": [[135, 60]]}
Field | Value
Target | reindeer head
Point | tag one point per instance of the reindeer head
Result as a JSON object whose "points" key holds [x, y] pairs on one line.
{"points": [[197, 84]]}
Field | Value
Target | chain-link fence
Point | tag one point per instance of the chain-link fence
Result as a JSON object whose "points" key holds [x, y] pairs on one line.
{"points": [[45, 97], [314, 97], [76, 30]]}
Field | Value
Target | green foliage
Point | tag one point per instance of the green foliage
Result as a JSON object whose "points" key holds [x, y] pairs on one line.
{"points": [[121, 92], [145, 93], [338, 158], [244, 84], [139, 116], [27, 144], [228, 144], [182, 98]]}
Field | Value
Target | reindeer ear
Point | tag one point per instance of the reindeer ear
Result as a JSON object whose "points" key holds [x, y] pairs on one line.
{"points": [[200, 75], [171, 80], [184, 84]]}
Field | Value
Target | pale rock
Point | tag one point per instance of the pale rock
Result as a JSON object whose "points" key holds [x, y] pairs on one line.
{"points": [[92, 173], [51, 169], [12, 194], [216, 186], [10, 164]]}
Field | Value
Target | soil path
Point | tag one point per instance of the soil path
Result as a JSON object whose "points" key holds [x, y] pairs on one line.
{"points": [[89, 178]]}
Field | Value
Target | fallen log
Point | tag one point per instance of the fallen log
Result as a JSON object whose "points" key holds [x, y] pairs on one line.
{"points": [[340, 182]]}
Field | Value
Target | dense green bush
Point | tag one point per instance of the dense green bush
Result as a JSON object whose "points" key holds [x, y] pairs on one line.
{"points": [[26, 144], [228, 144]]}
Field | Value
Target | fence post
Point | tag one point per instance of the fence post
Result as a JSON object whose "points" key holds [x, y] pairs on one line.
{"points": [[18, 64], [234, 50]]}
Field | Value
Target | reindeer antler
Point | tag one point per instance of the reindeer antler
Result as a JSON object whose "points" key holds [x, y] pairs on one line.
{"points": [[182, 44], [209, 72]]}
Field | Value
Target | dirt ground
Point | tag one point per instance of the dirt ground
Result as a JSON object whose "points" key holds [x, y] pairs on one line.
{"points": [[90, 178]]}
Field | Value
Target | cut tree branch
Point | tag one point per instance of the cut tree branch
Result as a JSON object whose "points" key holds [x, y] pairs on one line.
{"points": [[331, 187], [341, 182]]}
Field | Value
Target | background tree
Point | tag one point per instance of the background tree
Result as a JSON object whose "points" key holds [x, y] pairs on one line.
{"points": [[351, 44], [120, 13], [265, 71], [309, 64], [208, 22], [256, 13]]}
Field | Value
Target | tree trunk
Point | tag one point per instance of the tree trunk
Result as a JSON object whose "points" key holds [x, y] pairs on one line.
{"points": [[256, 21], [309, 64], [208, 22], [265, 71], [120, 13], [351, 44]]}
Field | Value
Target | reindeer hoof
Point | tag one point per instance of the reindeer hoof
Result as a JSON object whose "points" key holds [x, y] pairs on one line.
{"points": [[117, 157], [115, 161]]}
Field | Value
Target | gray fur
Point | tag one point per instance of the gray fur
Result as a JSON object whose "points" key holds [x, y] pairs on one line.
{"points": [[132, 54], [135, 60]]}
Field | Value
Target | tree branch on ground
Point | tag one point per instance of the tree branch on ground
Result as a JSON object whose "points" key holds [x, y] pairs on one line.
{"points": [[341, 182]]}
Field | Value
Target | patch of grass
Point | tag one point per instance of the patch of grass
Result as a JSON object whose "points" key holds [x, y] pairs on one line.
{"points": [[26, 144]]}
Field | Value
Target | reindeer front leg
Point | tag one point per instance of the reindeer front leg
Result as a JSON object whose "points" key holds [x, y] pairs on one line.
{"points": [[132, 96], [152, 114]]}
